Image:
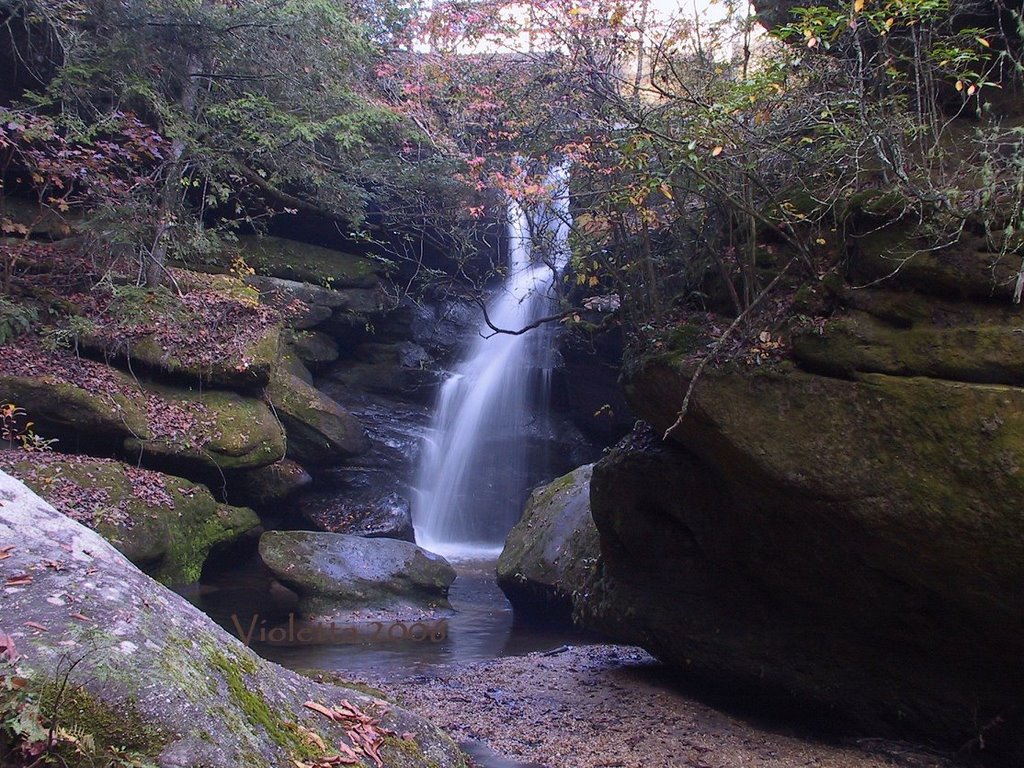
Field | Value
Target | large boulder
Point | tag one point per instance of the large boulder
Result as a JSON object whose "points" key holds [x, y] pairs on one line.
{"points": [[319, 430], [165, 525], [215, 332], [550, 557], [858, 543], [342, 578], [138, 669]]}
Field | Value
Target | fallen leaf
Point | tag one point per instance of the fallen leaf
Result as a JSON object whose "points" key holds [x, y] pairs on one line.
{"points": [[5, 552], [35, 625], [19, 581], [80, 617], [7, 647]]}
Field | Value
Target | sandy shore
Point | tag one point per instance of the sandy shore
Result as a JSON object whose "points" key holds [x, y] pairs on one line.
{"points": [[605, 706]]}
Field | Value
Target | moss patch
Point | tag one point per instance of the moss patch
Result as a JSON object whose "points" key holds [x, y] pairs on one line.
{"points": [[256, 709]]}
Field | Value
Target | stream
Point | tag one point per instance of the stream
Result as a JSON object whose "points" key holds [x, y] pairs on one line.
{"points": [[245, 601]]}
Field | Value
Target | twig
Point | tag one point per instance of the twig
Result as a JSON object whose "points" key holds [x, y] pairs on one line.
{"points": [[718, 345]]}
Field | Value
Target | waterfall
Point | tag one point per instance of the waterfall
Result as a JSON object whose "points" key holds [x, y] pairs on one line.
{"points": [[475, 468]]}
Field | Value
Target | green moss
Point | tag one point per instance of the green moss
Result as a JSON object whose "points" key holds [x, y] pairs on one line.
{"points": [[334, 678], [255, 708], [292, 260]]}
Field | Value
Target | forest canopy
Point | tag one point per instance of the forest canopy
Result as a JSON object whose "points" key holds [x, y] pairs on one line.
{"points": [[708, 157]]}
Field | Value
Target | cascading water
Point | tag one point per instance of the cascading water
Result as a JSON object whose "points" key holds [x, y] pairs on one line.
{"points": [[475, 468]]}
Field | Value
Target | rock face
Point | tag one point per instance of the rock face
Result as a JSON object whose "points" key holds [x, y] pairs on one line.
{"points": [[550, 557], [152, 675], [351, 578], [858, 543]]}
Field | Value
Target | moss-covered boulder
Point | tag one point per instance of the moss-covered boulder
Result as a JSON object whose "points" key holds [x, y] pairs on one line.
{"points": [[319, 430], [165, 525], [305, 263], [139, 669], [857, 543], [57, 405], [214, 332], [342, 578], [203, 429], [965, 269], [550, 557]]}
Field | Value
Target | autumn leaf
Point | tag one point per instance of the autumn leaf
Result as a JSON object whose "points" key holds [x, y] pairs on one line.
{"points": [[717, 151], [35, 625], [7, 647], [5, 552], [19, 580]]}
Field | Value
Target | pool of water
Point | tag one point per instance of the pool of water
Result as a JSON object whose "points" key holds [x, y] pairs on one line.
{"points": [[250, 605]]}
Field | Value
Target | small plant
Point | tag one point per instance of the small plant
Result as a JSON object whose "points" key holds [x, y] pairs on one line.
{"points": [[16, 428], [15, 319], [69, 337]]}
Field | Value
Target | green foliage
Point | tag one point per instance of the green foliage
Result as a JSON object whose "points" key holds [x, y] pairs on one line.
{"points": [[57, 722], [15, 319]]}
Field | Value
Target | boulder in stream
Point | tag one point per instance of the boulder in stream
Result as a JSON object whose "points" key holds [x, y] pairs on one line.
{"points": [[342, 578], [551, 556], [131, 666]]}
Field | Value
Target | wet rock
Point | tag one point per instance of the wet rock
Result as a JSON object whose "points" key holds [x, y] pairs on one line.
{"points": [[154, 676], [387, 517], [550, 556], [398, 369], [319, 430], [352, 578], [165, 525]]}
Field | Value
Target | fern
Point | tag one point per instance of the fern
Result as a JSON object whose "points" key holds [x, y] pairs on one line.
{"points": [[15, 319]]}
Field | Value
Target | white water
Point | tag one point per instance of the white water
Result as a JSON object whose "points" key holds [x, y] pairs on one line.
{"points": [[474, 472]]}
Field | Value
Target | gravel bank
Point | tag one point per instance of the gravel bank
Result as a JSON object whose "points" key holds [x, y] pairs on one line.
{"points": [[606, 706]]}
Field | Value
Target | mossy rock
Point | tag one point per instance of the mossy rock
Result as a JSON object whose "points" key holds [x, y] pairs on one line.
{"points": [[982, 346], [53, 402], [249, 366], [855, 543], [551, 555], [292, 260], [205, 429], [166, 525], [150, 673], [319, 430]]}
